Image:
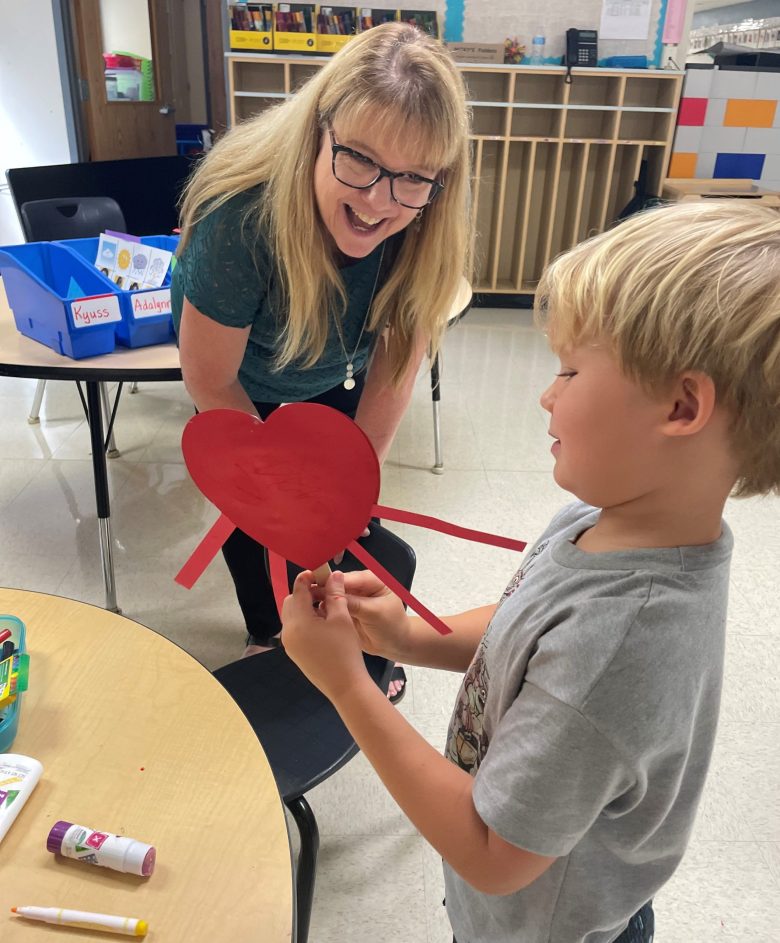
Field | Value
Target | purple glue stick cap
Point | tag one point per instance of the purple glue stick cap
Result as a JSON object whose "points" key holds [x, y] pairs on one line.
{"points": [[149, 861], [56, 835]]}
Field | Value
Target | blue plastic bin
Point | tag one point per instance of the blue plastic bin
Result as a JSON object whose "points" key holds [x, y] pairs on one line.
{"points": [[40, 279], [135, 329], [189, 138], [9, 716]]}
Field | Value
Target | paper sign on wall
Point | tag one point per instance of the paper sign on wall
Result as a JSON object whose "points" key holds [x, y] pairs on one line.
{"points": [[675, 19], [96, 309], [625, 19]]}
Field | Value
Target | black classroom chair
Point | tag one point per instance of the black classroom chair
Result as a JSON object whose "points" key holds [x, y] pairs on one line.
{"points": [[300, 731]]}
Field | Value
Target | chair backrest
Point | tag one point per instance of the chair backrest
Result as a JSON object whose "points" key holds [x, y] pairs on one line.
{"points": [[70, 218], [146, 188]]}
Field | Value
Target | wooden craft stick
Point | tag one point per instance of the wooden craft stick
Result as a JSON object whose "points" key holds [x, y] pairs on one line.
{"points": [[321, 574]]}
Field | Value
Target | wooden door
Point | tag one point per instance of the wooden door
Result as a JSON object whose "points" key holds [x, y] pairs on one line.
{"points": [[119, 125]]}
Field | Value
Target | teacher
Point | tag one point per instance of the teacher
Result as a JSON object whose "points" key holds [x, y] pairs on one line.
{"points": [[322, 247]]}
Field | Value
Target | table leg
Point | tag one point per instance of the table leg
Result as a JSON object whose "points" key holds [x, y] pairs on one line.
{"points": [[438, 466], [95, 419], [112, 451], [35, 409]]}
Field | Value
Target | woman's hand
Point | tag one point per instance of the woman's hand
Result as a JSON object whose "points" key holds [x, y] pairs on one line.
{"points": [[340, 556], [322, 641]]}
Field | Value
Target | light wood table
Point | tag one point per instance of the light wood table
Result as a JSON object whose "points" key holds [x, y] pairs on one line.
{"points": [[136, 737]]}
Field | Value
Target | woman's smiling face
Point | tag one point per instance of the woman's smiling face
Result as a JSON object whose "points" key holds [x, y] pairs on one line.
{"points": [[359, 220]]}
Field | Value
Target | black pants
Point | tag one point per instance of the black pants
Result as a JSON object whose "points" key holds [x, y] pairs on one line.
{"points": [[640, 929], [246, 558]]}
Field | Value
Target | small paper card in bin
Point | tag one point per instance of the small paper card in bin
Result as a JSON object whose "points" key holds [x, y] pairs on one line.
{"points": [[130, 264]]}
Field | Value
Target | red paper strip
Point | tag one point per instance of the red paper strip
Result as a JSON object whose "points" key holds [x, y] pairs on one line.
{"points": [[205, 552], [392, 583], [435, 523], [281, 587]]}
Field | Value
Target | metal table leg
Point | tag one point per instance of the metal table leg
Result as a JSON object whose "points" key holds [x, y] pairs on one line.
{"points": [[438, 464], [34, 417], [112, 451], [95, 419]]}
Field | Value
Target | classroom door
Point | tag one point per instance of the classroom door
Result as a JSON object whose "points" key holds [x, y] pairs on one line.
{"points": [[123, 64]]}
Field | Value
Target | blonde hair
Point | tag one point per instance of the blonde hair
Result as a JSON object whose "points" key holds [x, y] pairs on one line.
{"points": [[411, 82], [692, 286]]}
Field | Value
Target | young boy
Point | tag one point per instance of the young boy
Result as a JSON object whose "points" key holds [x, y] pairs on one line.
{"points": [[580, 741]]}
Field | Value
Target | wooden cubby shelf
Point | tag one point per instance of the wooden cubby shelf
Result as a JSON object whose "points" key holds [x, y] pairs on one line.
{"points": [[553, 162]]}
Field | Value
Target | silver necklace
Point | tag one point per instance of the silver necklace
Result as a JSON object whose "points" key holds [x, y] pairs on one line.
{"points": [[349, 381]]}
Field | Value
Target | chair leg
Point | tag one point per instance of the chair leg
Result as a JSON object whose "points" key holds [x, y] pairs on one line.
{"points": [[438, 461], [307, 863], [35, 409], [112, 451], [134, 386]]}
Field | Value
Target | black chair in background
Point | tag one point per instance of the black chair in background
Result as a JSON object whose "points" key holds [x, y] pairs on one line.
{"points": [[70, 218], [147, 189], [73, 218], [300, 731]]}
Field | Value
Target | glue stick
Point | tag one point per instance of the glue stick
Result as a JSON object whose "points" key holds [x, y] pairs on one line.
{"points": [[19, 775], [101, 848]]}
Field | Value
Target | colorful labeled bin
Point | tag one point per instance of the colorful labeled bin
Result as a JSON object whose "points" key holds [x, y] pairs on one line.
{"points": [[369, 17], [294, 27], [425, 20], [251, 26], [9, 716], [60, 300], [335, 28], [146, 313]]}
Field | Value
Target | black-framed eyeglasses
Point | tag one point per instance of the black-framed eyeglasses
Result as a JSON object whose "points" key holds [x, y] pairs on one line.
{"points": [[355, 170]]}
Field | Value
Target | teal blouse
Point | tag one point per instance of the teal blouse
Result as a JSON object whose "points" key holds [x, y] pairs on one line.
{"points": [[233, 282]]}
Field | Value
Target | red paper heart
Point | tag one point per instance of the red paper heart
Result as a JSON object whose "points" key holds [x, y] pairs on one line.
{"points": [[303, 483]]}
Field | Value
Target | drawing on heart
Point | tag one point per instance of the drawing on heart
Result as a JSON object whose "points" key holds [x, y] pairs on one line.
{"points": [[304, 484]]}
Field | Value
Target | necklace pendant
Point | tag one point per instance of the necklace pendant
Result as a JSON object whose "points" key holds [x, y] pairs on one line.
{"points": [[349, 384]]}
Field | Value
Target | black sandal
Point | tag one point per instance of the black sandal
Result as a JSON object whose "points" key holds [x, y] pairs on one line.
{"points": [[398, 675], [273, 642]]}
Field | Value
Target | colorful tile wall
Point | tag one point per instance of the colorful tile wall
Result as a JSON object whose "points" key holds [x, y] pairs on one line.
{"points": [[728, 126]]}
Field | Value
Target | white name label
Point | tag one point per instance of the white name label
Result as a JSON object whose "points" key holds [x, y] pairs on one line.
{"points": [[97, 309], [147, 304]]}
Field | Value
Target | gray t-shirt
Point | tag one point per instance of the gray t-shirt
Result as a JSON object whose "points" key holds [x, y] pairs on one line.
{"points": [[587, 718]]}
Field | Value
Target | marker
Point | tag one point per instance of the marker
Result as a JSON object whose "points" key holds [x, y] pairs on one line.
{"points": [[129, 926], [6, 633]]}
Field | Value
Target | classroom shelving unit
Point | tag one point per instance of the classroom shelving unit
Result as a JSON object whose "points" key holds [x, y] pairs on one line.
{"points": [[553, 162]]}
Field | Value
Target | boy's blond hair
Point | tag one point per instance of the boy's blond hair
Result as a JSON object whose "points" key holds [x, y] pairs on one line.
{"points": [[402, 83], [691, 286]]}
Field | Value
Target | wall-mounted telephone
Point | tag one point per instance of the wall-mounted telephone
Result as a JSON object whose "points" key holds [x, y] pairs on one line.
{"points": [[581, 48]]}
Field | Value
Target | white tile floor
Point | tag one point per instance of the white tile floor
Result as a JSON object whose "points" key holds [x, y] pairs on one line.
{"points": [[377, 878]]}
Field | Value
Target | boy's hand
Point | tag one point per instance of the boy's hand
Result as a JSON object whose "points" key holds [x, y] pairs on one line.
{"points": [[322, 642], [378, 615]]}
